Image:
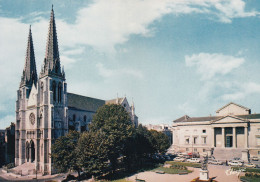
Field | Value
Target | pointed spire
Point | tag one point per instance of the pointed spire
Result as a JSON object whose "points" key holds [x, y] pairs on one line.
{"points": [[29, 73], [133, 107], [52, 58]]}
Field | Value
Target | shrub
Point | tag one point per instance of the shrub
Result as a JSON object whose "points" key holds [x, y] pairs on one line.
{"points": [[248, 175]]}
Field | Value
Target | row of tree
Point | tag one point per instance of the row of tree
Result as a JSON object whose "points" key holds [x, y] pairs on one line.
{"points": [[112, 143]]}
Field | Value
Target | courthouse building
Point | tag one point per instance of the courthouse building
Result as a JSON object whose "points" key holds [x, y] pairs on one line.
{"points": [[46, 111], [233, 132]]}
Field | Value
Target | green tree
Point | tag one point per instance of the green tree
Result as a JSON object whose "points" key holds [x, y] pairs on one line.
{"points": [[115, 123], [138, 148], [161, 143], [92, 153], [63, 153]]}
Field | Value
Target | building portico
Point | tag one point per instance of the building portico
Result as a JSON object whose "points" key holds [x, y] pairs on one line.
{"points": [[233, 130]]}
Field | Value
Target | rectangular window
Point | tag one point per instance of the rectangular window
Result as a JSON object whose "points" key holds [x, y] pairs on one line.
{"points": [[195, 150], [204, 150], [195, 140], [204, 140], [187, 149], [258, 129], [258, 141], [258, 152], [187, 141], [203, 131]]}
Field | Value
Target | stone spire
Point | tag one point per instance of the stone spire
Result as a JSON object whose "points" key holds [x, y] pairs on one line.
{"points": [[52, 59], [29, 72]]}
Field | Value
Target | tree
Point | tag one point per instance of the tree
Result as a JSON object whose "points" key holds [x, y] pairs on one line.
{"points": [[92, 153], [64, 155], [138, 148], [161, 143], [114, 122]]}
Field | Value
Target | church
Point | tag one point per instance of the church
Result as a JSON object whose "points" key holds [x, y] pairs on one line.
{"points": [[233, 132], [45, 110]]}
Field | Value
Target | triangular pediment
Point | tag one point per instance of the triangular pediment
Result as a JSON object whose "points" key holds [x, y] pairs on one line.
{"points": [[229, 120], [231, 103], [233, 109]]}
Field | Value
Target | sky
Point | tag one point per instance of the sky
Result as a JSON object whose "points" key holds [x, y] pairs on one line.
{"points": [[170, 57]]}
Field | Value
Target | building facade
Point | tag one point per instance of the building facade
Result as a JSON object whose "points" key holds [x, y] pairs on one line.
{"points": [[44, 108], [164, 128], [233, 132]]}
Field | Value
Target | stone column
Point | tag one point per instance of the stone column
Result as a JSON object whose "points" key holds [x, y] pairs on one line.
{"points": [[246, 137], [213, 144], [223, 137], [234, 138]]}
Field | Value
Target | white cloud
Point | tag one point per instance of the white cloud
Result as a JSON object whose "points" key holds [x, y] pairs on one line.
{"points": [[209, 65], [106, 73], [101, 25], [243, 91], [104, 24]]}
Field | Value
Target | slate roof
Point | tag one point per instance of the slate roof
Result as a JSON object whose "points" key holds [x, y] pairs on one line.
{"points": [[84, 103], [211, 118]]}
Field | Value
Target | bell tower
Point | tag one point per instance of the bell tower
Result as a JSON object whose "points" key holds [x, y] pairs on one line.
{"points": [[28, 84], [53, 98]]}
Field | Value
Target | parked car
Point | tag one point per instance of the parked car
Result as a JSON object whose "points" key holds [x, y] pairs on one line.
{"points": [[255, 158], [179, 159], [250, 165], [215, 162], [237, 159], [234, 163], [194, 160]]}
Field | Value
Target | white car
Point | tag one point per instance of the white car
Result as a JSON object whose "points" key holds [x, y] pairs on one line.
{"points": [[238, 159], [255, 158], [179, 159], [215, 162], [194, 160], [250, 165], [235, 163]]}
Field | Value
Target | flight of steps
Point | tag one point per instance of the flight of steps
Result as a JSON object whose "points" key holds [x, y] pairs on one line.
{"points": [[227, 153], [25, 169]]}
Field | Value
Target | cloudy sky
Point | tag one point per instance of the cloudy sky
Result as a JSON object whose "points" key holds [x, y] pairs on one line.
{"points": [[173, 57]]}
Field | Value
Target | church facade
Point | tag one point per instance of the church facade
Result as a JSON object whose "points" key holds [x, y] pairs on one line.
{"points": [[233, 132], [45, 110]]}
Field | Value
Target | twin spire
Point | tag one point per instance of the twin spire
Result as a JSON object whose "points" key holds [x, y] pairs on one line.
{"points": [[29, 72], [51, 65]]}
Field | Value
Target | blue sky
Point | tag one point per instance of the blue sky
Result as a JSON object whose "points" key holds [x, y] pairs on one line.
{"points": [[172, 57]]}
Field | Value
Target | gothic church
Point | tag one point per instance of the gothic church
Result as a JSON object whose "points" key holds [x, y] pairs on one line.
{"points": [[46, 111]]}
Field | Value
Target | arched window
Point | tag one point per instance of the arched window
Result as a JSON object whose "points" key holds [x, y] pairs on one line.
{"points": [[59, 92], [41, 94], [54, 90]]}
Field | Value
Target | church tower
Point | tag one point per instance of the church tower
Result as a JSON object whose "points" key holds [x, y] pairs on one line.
{"points": [[25, 115], [53, 98], [41, 106]]}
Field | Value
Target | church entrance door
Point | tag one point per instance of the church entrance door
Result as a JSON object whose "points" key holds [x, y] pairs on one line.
{"points": [[229, 141], [32, 151], [27, 151]]}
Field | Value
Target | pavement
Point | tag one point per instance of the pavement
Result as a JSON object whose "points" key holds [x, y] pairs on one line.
{"points": [[12, 177], [221, 174]]}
